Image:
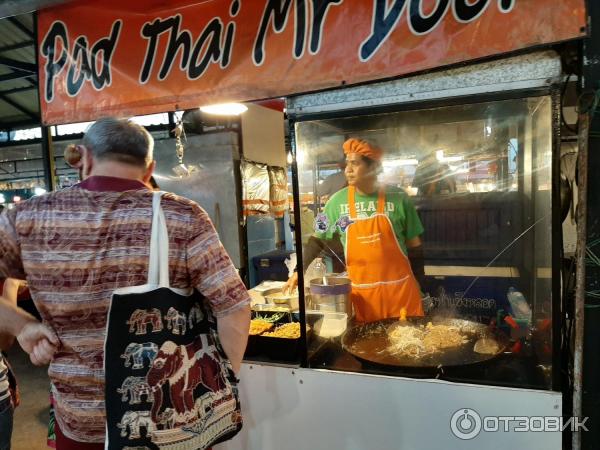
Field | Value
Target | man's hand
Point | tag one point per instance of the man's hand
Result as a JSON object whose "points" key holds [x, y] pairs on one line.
{"points": [[39, 341], [291, 284]]}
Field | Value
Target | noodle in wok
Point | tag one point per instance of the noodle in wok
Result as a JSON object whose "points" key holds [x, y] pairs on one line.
{"points": [[419, 341]]}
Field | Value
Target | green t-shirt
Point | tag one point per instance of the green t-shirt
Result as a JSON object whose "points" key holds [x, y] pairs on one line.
{"points": [[335, 216]]}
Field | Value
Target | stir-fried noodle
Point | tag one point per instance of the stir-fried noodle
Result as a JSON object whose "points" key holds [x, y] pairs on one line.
{"points": [[416, 341]]}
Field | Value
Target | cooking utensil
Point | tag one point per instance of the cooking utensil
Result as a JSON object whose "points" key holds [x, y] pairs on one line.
{"points": [[369, 343]]}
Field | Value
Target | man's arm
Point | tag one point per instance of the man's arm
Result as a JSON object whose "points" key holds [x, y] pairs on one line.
{"points": [[35, 338], [321, 241], [313, 248], [9, 292]]}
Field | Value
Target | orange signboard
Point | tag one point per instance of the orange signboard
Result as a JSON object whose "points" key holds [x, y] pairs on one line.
{"points": [[115, 57]]}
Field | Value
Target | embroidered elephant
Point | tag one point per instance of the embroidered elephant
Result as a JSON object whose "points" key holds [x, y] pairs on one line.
{"points": [[195, 316], [167, 418], [135, 387], [140, 318], [137, 353], [176, 321], [135, 420], [184, 368], [170, 419], [204, 404]]}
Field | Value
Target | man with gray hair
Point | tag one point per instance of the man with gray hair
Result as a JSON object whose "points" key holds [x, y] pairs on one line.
{"points": [[78, 245]]}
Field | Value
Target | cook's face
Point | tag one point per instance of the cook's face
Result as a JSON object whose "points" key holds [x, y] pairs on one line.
{"points": [[356, 169]]}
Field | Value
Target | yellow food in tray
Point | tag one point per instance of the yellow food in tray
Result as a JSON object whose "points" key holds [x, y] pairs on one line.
{"points": [[258, 326], [287, 331]]}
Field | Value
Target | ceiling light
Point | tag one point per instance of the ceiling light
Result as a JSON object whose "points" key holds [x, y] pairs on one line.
{"points": [[39, 191], [225, 109], [400, 162]]}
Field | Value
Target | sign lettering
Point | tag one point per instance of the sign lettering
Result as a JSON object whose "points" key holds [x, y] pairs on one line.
{"points": [[143, 58]]}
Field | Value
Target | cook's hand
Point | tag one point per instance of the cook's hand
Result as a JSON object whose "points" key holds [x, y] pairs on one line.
{"points": [[291, 284], [39, 341]]}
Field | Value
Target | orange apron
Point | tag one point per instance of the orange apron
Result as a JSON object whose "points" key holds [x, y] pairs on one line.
{"points": [[382, 280]]}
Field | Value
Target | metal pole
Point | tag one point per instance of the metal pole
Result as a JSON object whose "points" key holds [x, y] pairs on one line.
{"points": [[580, 274], [47, 148], [48, 159], [298, 235], [586, 392]]}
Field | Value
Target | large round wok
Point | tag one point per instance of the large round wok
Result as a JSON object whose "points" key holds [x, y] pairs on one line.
{"points": [[369, 343]]}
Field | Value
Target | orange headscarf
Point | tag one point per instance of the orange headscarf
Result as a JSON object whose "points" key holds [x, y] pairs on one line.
{"points": [[362, 148]]}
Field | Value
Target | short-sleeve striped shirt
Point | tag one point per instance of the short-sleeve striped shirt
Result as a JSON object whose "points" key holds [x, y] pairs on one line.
{"points": [[75, 247], [4, 386]]}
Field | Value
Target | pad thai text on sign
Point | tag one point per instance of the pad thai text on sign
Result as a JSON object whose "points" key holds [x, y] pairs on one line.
{"points": [[110, 57]]}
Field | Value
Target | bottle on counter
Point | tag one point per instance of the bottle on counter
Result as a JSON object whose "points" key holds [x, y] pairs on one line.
{"points": [[519, 305], [316, 269]]}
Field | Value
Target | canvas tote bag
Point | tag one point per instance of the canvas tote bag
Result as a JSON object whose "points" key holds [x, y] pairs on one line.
{"points": [[169, 384]]}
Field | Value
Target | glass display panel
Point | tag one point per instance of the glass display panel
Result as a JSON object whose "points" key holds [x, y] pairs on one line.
{"points": [[440, 266]]}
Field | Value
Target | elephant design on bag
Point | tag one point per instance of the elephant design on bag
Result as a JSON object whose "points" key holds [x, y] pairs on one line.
{"points": [[140, 318], [176, 321], [184, 367], [167, 418], [135, 387], [137, 353], [195, 316], [205, 404], [136, 420]]}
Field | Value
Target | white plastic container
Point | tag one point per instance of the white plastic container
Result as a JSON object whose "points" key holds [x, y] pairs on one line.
{"points": [[330, 324]]}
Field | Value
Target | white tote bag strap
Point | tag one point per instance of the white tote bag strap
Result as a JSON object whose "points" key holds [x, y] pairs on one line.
{"points": [[158, 268]]}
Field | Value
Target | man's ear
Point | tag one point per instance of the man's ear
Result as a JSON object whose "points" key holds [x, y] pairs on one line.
{"points": [[149, 171]]}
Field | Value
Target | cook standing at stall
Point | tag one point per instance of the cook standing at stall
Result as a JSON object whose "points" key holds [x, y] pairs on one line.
{"points": [[380, 231]]}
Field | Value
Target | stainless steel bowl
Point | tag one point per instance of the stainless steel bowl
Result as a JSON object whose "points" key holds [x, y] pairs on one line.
{"points": [[277, 297], [331, 294]]}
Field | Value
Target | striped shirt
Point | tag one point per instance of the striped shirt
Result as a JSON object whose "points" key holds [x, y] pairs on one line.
{"points": [[4, 387], [75, 247]]}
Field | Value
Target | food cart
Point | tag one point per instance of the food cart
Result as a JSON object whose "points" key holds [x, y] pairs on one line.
{"points": [[490, 127], [479, 245]]}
